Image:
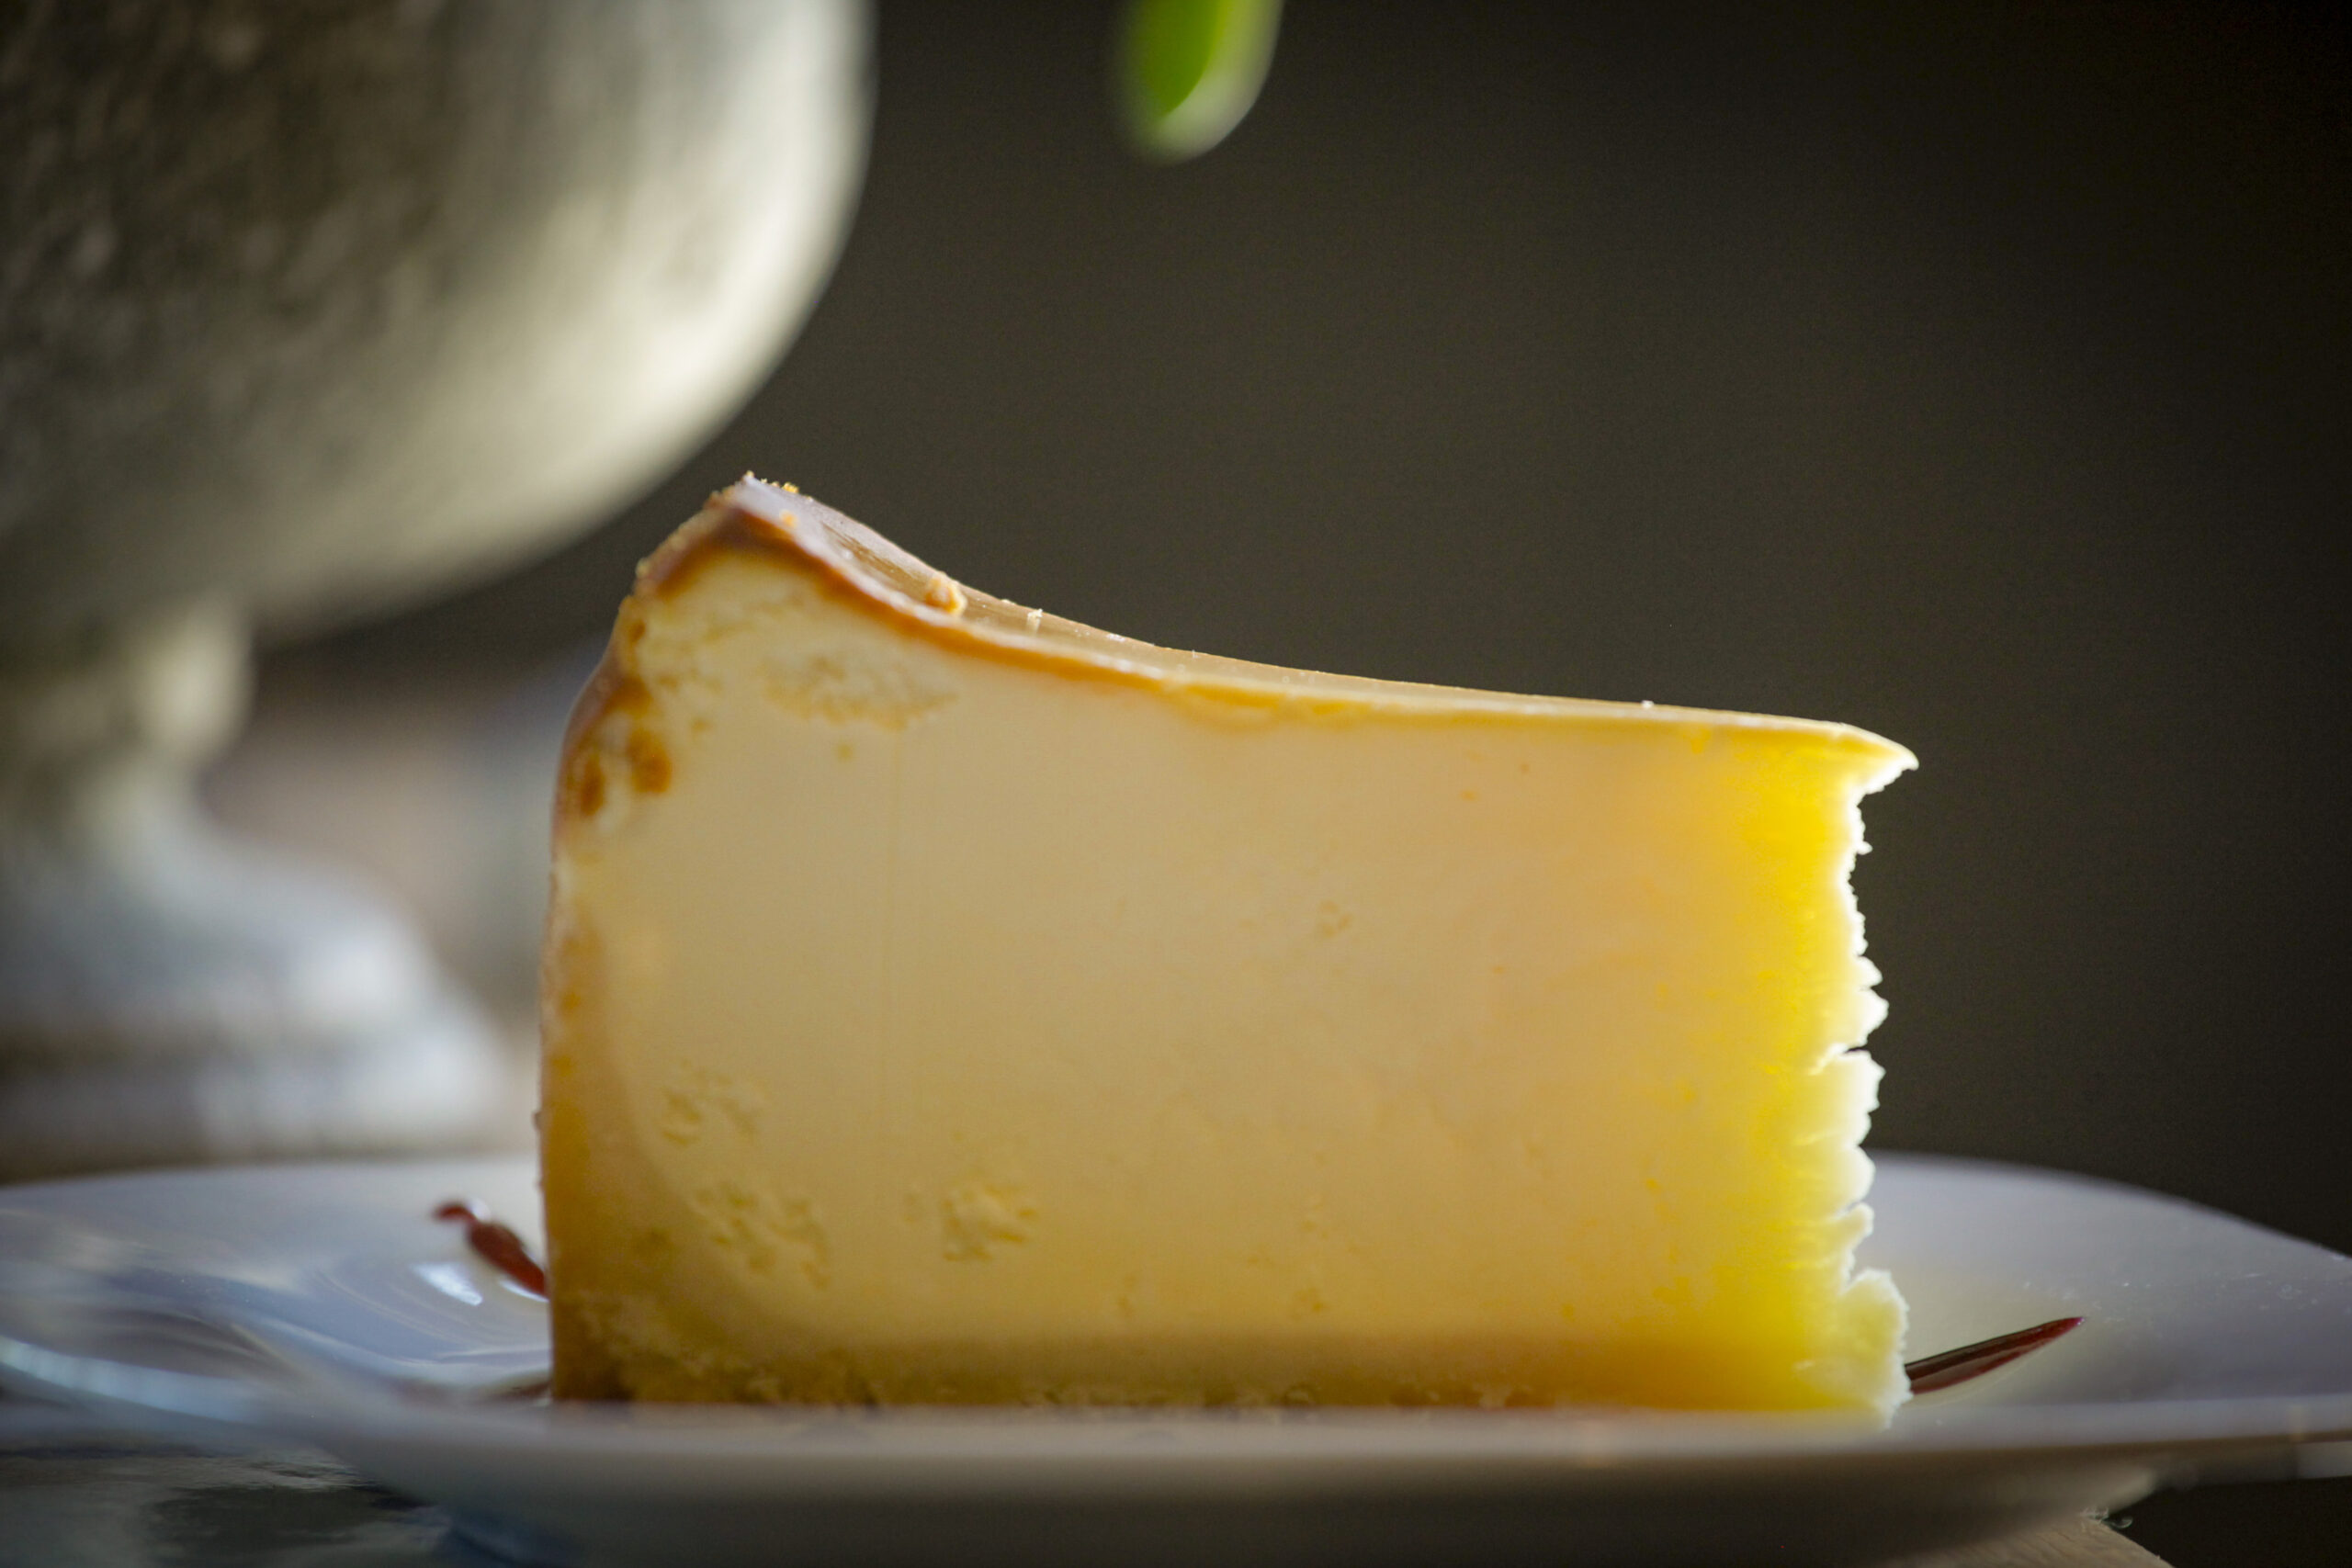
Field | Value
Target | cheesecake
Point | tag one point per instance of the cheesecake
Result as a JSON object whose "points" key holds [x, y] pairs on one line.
{"points": [[944, 1002]]}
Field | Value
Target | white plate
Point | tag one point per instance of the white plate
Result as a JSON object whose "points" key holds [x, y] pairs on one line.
{"points": [[322, 1304]]}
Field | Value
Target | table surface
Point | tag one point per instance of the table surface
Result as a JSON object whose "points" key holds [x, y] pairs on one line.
{"points": [[72, 1496]]}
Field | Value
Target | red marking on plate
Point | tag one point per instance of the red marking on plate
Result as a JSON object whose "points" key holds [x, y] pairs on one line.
{"points": [[1932, 1373], [498, 1247]]}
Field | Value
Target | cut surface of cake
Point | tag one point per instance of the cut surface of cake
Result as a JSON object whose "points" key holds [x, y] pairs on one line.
{"points": [[944, 1002]]}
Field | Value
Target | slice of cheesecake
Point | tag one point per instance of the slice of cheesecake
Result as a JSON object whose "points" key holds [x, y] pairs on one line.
{"points": [[947, 1002]]}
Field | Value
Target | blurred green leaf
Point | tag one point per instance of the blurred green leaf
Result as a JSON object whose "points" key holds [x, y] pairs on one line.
{"points": [[1186, 71]]}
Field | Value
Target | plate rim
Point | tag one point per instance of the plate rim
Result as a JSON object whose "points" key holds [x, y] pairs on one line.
{"points": [[2251, 1431]]}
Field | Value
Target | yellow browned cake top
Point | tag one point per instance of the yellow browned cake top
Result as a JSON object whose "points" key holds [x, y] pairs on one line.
{"points": [[948, 1002]]}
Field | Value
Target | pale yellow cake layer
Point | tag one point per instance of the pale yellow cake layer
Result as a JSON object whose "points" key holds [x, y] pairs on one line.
{"points": [[944, 1003]]}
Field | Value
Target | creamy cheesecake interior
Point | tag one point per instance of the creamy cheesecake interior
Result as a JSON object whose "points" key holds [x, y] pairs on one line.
{"points": [[945, 1002]]}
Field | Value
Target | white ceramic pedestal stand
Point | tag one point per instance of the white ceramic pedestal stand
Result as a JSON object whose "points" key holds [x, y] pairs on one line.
{"points": [[305, 311], [167, 995]]}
